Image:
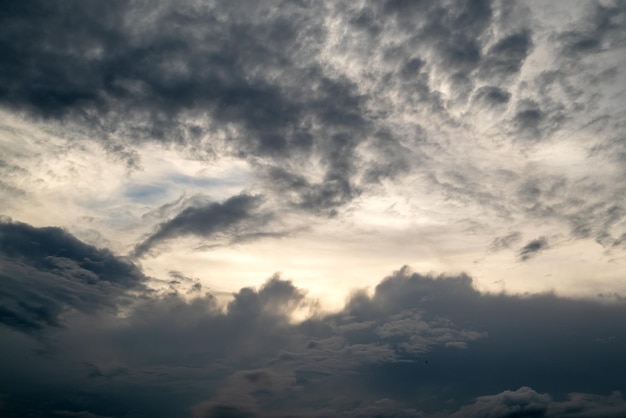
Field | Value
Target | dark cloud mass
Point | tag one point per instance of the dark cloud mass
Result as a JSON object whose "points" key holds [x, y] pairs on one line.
{"points": [[181, 74], [46, 272], [506, 57], [440, 131], [418, 346], [525, 402], [207, 220]]}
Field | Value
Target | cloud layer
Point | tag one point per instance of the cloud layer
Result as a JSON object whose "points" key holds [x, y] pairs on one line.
{"points": [[418, 346], [220, 142]]}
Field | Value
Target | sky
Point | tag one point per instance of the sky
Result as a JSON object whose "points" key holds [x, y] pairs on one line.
{"points": [[302, 208]]}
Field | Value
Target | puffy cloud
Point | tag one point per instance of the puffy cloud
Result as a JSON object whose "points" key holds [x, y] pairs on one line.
{"points": [[525, 402], [46, 272], [405, 349], [449, 109]]}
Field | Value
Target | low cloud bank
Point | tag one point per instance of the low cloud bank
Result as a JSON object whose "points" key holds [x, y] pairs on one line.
{"points": [[81, 333]]}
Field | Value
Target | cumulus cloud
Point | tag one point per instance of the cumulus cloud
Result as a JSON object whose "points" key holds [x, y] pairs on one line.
{"points": [[46, 272], [525, 402], [454, 125], [406, 348]]}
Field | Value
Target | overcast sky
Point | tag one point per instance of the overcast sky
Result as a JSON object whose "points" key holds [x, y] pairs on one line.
{"points": [[306, 208]]}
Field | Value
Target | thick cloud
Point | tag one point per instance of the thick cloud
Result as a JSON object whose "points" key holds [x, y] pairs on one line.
{"points": [[525, 402], [321, 114], [467, 112], [247, 80], [506, 57], [407, 349], [237, 79], [46, 272]]}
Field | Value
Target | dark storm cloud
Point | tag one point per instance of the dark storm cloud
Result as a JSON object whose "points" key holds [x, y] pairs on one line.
{"points": [[405, 350], [207, 220], [46, 272], [533, 248], [525, 402], [242, 71]]}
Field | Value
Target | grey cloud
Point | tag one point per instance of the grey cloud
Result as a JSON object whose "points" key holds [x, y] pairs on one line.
{"points": [[79, 414], [523, 402], [533, 248], [166, 209], [492, 96], [411, 68], [452, 30], [206, 221], [10, 183], [209, 410], [417, 44], [528, 117], [51, 247], [248, 79], [526, 402], [462, 53], [506, 57], [581, 206], [601, 30], [252, 80], [500, 243], [411, 346], [540, 120], [412, 41], [321, 197], [188, 72], [46, 272]]}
